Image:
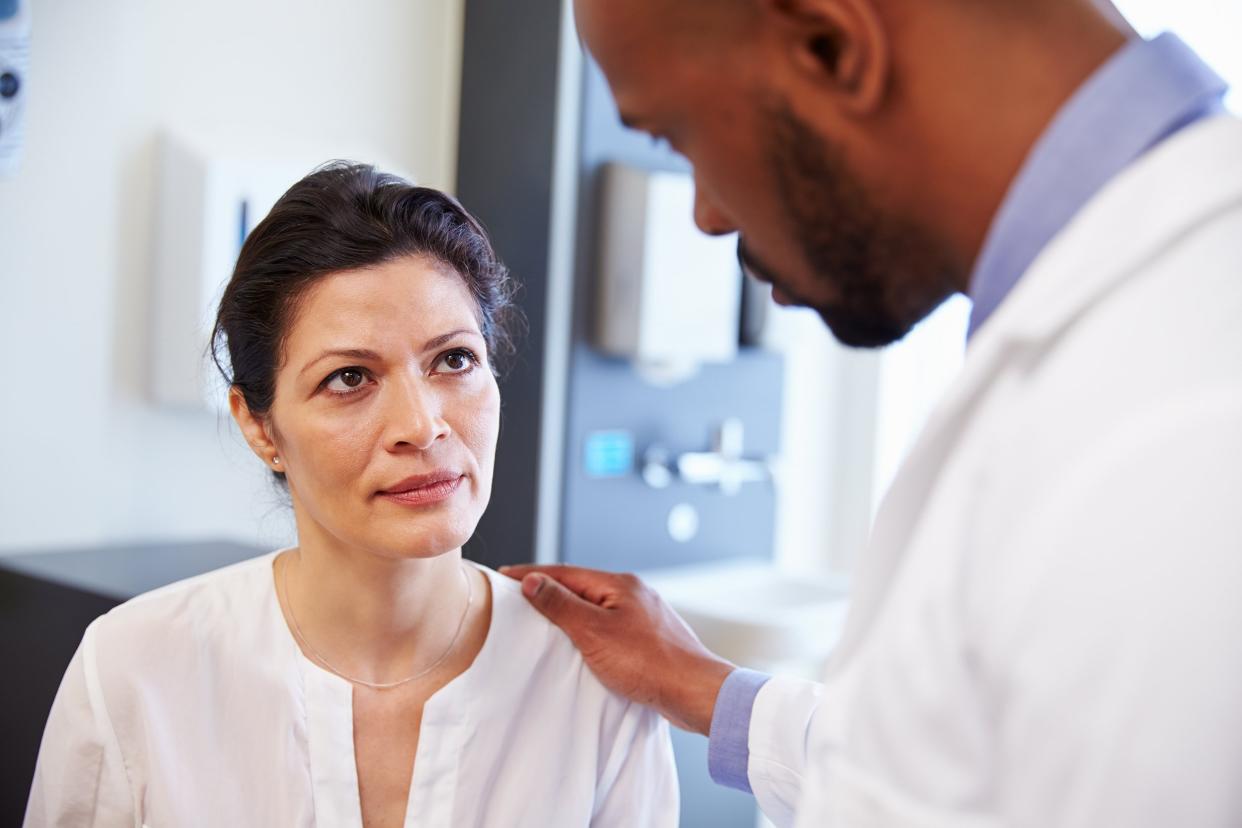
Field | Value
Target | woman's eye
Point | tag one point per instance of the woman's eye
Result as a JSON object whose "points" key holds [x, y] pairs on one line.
{"points": [[456, 362], [345, 381]]}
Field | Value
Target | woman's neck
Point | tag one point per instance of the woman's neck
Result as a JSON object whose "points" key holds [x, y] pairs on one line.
{"points": [[373, 618]]}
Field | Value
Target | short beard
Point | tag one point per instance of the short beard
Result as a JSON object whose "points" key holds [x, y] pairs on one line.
{"points": [[886, 273]]}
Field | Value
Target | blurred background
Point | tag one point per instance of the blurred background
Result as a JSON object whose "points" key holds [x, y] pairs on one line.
{"points": [[663, 416]]}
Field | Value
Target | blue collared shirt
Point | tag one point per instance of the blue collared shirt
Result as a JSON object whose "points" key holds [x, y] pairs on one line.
{"points": [[1146, 92], [1143, 94]]}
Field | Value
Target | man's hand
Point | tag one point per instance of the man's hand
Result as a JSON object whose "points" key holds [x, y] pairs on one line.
{"points": [[633, 641]]}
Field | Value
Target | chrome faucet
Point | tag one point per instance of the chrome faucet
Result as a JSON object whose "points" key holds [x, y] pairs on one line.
{"points": [[723, 466]]}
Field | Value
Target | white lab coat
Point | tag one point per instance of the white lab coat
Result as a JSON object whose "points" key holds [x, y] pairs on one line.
{"points": [[1047, 629], [193, 706]]}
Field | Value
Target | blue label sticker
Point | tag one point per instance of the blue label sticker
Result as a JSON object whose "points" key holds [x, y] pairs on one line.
{"points": [[609, 454]]}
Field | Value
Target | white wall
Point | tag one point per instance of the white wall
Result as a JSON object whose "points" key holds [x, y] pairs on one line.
{"points": [[850, 417], [914, 375], [1212, 27], [828, 434], [84, 457]]}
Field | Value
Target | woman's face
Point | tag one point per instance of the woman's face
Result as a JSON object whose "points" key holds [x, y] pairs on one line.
{"points": [[386, 412]]}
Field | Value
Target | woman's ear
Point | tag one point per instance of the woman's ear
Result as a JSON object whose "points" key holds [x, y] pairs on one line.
{"points": [[255, 430], [840, 46]]}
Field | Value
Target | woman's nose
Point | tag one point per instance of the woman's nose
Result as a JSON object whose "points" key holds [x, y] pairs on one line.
{"points": [[415, 416], [711, 219]]}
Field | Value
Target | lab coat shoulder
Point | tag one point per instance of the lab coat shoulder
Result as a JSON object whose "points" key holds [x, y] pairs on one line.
{"points": [[635, 776], [1147, 358]]}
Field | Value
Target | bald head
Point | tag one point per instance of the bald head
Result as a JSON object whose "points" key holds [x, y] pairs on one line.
{"points": [[686, 22], [699, 17]]}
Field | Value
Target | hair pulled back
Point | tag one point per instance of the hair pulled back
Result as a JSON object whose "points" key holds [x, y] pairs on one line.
{"points": [[344, 217]]}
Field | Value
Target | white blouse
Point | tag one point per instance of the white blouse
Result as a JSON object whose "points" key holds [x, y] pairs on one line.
{"points": [[193, 705]]}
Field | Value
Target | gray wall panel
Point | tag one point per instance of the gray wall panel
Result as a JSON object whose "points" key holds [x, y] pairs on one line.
{"points": [[620, 523], [504, 176]]}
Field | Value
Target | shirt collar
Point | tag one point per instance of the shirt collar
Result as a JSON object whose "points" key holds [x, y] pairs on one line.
{"points": [[1143, 94]]}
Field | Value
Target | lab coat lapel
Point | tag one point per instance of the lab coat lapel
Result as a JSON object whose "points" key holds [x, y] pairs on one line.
{"points": [[1117, 232]]}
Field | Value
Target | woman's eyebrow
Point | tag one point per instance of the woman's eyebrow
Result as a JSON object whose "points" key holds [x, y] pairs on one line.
{"points": [[432, 344], [366, 355], [349, 353]]}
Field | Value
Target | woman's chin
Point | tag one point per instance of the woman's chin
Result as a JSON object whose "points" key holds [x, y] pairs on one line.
{"points": [[418, 542]]}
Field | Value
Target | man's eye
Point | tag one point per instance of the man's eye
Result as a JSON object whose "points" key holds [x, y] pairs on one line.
{"points": [[456, 362], [345, 381]]}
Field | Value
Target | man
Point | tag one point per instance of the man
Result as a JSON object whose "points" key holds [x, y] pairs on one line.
{"points": [[1045, 626]]}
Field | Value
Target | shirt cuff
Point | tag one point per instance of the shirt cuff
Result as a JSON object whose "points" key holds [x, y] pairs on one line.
{"points": [[728, 745]]}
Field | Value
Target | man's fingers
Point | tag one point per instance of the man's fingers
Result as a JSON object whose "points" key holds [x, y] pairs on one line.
{"points": [[558, 571], [520, 571], [591, 584], [560, 606]]}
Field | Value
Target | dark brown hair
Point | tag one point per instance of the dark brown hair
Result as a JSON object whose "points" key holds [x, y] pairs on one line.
{"points": [[343, 217]]}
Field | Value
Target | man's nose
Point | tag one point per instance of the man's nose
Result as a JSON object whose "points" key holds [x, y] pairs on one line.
{"points": [[415, 416], [711, 219]]}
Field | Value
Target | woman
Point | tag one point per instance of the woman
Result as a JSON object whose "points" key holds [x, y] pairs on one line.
{"points": [[368, 675]]}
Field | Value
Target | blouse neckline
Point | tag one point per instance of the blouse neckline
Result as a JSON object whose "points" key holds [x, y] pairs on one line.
{"points": [[460, 683]]}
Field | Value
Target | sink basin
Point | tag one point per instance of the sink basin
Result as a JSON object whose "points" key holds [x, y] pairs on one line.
{"points": [[754, 614]]}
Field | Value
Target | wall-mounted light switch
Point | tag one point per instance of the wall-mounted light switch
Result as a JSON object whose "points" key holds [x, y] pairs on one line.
{"points": [[609, 454]]}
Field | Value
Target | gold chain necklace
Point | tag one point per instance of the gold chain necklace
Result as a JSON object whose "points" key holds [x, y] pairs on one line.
{"points": [[327, 665]]}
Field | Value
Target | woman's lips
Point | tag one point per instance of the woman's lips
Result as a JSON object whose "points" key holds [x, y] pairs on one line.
{"points": [[422, 494]]}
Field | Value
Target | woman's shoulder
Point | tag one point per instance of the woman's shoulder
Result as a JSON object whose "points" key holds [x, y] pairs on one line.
{"points": [[629, 744], [537, 652], [232, 596], [175, 660], [514, 619]]}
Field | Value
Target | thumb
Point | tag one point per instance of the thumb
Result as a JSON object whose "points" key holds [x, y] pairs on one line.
{"points": [[560, 606]]}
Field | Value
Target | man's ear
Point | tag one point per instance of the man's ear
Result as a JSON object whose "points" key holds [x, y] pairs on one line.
{"points": [[255, 430], [841, 46]]}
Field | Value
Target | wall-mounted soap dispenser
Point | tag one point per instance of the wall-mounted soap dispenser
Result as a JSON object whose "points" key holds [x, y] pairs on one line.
{"points": [[14, 89], [209, 198], [669, 296]]}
